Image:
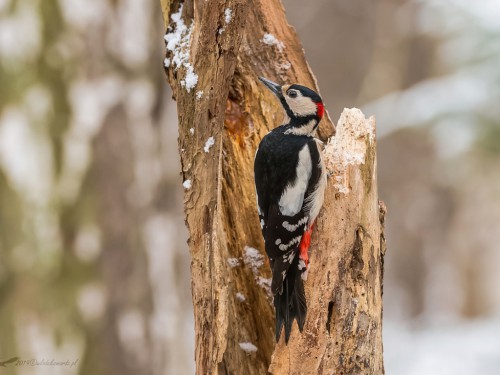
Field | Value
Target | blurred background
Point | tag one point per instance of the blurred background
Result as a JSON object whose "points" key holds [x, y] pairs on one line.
{"points": [[94, 266]]}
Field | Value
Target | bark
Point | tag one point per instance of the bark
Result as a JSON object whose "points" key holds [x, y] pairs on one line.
{"points": [[343, 327]]}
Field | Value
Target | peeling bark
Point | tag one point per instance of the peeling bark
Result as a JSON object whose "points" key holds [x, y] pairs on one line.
{"points": [[343, 327]]}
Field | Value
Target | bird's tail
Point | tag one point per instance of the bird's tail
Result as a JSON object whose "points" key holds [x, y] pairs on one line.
{"points": [[290, 303]]}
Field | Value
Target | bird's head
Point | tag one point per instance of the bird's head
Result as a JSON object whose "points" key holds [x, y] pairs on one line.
{"points": [[303, 106]]}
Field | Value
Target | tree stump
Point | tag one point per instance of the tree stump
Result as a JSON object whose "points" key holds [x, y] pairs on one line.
{"points": [[215, 52]]}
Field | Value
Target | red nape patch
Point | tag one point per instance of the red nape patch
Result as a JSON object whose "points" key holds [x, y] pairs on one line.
{"points": [[305, 242], [320, 109]]}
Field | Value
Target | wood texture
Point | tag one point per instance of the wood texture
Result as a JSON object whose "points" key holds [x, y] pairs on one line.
{"points": [[343, 328]]}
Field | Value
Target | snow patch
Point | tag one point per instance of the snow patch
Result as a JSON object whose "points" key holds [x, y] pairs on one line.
{"points": [[208, 144], [177, 42], [248, 347], [253, 259], [285, 66], [240, 297], [266, 285], [233, 262], [199, 94], [191, 131], [271, 40], [191, 79], [187, 184], [452, 348], [166, 62], [228, 14]]}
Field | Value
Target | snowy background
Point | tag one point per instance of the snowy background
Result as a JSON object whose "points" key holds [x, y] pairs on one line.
{"points": [[94, 264]]}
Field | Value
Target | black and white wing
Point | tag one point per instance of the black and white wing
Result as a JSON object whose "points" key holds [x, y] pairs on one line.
{"points": [[285, 215]]}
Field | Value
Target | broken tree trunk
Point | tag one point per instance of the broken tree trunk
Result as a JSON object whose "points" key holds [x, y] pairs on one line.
{"points": [[215, 52]]}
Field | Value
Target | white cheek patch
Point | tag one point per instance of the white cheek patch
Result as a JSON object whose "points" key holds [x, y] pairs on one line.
{"points": [[302, 106]]}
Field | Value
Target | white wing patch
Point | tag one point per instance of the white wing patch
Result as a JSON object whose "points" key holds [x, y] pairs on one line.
{"points": [[292, 228], [293, 197], [294, 241], [315, 200]]}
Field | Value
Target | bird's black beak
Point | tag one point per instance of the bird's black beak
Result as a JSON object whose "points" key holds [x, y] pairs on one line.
{"points": [[274, 87]]}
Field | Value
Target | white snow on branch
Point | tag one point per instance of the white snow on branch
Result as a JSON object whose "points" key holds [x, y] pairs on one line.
{"points": [[248, 347], [266, 285], [199, 94], [178, 43], [285, 65], [191, 131], [255, 260], [166, 62], [271, 40], [208, 144], [191, 79], [228, 13], [233, 262], [240, 297], [187, 184]]}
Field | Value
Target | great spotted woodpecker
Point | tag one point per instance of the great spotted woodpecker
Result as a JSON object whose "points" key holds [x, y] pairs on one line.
{"points": [[290, 182]]}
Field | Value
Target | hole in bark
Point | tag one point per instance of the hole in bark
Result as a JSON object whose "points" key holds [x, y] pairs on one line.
{"points": [[330, 313], [237, 122]]}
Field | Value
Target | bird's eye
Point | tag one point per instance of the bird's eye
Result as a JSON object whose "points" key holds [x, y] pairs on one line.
{"points": [[292, 94]]}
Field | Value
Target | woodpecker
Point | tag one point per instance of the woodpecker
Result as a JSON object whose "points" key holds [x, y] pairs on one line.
{"points": [[290, 182]]}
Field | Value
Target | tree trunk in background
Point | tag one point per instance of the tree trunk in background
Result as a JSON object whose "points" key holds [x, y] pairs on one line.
{"points": [[343, 327], [91, 245]]}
